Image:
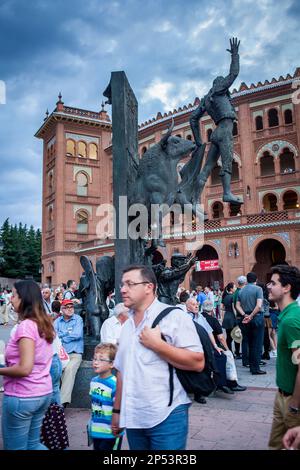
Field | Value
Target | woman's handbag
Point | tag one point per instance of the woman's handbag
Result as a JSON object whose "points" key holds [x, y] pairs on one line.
{"points": [[54, 433]]}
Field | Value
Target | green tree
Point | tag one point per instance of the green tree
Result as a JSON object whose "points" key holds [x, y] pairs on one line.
{"points": [[20, 255]]}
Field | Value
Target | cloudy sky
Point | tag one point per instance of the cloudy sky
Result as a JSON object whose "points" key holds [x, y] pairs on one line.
{"points": [[170, 50]]}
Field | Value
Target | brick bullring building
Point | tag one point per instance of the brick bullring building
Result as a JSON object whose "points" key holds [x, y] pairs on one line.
{"points": [[77, 178]]}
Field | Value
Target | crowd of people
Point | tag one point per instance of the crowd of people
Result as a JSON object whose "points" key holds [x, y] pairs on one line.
{"points": [[130, 392]]}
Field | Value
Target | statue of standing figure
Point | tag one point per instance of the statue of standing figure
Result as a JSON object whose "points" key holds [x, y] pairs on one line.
{"points": [[94, 289], [217, 104], [169, 278]]}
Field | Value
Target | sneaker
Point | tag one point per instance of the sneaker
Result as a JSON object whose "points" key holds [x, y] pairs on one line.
{"points": [[1, 389], [273, 353]]}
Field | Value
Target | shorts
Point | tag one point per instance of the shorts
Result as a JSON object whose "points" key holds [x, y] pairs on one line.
{"points": [[274, 320], [268, 322]]}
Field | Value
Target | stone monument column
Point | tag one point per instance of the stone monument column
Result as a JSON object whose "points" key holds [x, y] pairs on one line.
{"points": [[125, 165]]}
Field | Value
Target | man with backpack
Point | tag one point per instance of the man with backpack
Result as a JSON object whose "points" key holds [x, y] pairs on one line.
{"points": [[69, 294], [155, 419]]}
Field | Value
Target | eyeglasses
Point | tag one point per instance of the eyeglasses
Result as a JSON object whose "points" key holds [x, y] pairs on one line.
{"points": [[132, 284], [102, 360]]}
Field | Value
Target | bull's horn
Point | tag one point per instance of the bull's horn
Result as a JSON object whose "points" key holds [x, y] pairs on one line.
{"points": [[164, 140]]}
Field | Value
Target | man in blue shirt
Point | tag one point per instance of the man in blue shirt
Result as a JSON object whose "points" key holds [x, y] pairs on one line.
{"points": [[201, 297], [69, 328]]}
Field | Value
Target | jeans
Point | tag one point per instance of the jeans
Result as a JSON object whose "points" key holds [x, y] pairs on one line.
{"points": [[21, 422], [245, 345], [170, 434], [55, 372], [254, 331]]}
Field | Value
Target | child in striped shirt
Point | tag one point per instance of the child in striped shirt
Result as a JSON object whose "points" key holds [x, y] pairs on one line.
{"points": [[102, 393]]}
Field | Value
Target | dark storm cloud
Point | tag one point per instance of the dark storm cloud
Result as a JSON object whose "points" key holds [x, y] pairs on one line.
{"points": [[170, 51]]}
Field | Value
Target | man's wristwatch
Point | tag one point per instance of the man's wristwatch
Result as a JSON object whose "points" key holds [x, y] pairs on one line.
{"points": [[294, 409], [114, 410]]}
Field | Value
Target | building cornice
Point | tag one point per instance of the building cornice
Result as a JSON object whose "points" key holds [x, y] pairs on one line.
{"points": [[230, 229], [55, 116], [235, 228]]}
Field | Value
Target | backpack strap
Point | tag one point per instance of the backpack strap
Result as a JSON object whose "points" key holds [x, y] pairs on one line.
{"points": [[163, 314], [159, 317]]}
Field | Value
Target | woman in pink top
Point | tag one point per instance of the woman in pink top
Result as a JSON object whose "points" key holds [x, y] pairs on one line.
{"points": [[27, 381]]}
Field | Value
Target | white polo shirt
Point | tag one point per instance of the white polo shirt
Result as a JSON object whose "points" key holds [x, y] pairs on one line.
{"points": [[145, 376]]}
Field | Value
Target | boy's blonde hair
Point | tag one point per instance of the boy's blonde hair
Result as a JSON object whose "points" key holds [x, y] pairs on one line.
{"points": [[110, 348]]}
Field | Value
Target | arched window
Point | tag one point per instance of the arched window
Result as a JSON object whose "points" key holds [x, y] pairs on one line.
{"points": [[287, 162], [82, 184], [259, 123], [50, 180], [235, 171], [273, 117], [208, 134], [82, 151], [178, 135], [235, 129], [144, 150], [288, 116], [71, 148], [234, 210], [217, 210], [82, 220], [189, 137], [215, 175], [93, 151], [290, 200], [267, 164], [50, 218], [51, 267], [270, 202]]}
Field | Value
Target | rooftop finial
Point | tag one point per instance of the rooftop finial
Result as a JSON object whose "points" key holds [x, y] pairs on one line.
{"points": [[59, 97], [102, 106], [46, 115]]}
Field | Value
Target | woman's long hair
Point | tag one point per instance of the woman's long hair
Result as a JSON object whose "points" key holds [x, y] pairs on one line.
{"points": [[229, 286], [32, 307]]}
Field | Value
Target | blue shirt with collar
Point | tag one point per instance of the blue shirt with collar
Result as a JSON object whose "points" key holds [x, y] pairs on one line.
{"points": [[71, 333]]}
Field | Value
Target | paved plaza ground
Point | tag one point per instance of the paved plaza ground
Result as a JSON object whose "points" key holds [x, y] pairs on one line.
{"points": [[237, 422]]}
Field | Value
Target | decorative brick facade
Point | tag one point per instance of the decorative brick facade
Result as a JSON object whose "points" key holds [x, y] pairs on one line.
{"points": [[77, 178]]}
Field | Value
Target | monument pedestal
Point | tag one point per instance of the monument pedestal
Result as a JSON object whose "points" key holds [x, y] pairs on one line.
{"points": [[80, 395], [81, 390]]}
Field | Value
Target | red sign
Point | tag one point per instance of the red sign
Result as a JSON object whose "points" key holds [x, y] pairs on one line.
{"points": [[208, 265]]}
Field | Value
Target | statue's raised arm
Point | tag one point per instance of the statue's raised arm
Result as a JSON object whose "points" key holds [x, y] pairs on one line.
{"points": [[222, 84]]}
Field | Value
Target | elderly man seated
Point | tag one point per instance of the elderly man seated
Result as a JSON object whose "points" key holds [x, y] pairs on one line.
{"points": [[69, 328], [208, 314], [111, 329]]}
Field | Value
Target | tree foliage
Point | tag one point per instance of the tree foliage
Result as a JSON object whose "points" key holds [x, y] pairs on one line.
{"points": [[20, 255]]}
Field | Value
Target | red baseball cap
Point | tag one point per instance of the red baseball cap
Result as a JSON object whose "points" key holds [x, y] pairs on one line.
{"points": [[66, 302]]}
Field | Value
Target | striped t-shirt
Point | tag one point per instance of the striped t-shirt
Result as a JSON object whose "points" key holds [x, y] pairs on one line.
{"points": [[102, 393]]}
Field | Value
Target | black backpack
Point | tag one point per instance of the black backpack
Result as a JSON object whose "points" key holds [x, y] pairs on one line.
{"points": [[202, 383]]}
